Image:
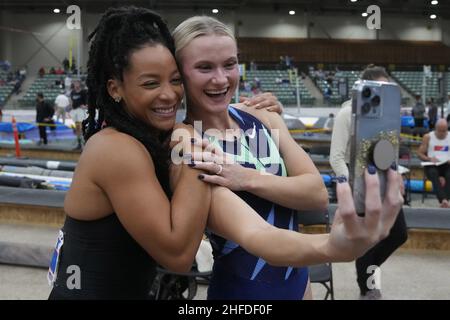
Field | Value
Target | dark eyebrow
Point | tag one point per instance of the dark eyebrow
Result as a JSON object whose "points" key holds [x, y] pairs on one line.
{"points": [[148, 75], [152, 75]]}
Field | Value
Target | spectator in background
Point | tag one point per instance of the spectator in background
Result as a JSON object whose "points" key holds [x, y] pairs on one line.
{"points": [[59, 71], [2, 104], [339, 160], [447, 108], [44, 114], [435, 148], [67, 83], [41, 72], [5, 65], [74, 66], [282, 63], [288, 61], [16, 88], [432, 113], [23, 73], [66, 65], [257, 82], [78, 98], [62, 102], [256, 90], [329, 123], [9, 77], [327, 94], [418, 112], [52, 70]]}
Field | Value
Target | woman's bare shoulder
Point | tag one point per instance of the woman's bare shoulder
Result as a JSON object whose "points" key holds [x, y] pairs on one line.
{"points": [[110, 148]]}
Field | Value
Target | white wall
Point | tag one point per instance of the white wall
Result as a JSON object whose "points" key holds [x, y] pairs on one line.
{"points": [[446, 32], [411, 29], [341, 27], [265, 25], [37, 40]]}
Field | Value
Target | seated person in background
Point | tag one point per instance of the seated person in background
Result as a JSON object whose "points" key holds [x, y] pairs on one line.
{"points": [[435, 148]]}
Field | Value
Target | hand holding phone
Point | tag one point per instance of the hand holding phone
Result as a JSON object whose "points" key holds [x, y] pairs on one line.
{"points": [[375, 134]]}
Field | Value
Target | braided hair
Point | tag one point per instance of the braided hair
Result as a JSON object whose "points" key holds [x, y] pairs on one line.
{"points": [[119, 32]]}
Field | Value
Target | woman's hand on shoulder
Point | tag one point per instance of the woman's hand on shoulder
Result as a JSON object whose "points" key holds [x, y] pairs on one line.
{"points": [[266, 100]]}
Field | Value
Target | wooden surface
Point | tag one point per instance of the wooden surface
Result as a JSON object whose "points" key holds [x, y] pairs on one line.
{"points": [[12, 213], [423, 239]]}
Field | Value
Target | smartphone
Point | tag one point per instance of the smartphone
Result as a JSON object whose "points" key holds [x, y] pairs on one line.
{"points": [[375, 134]]}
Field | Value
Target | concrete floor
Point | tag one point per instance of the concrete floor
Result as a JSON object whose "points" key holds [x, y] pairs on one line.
{"points": [[407, 275]]}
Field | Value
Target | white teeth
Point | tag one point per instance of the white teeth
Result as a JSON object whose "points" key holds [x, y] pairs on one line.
{"points": [[165, 110], [217, 92]]}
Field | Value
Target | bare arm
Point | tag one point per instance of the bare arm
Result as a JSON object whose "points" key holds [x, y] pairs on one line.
{"points": [[233, 219], [350, 237], [303, 188], [170, 231], [423, 148]]}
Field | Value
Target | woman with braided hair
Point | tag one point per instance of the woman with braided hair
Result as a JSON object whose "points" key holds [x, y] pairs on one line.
{"points": [[119, 217], [126, 214]]}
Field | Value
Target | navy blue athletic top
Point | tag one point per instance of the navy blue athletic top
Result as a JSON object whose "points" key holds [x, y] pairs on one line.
{"points": [[236, 273]]}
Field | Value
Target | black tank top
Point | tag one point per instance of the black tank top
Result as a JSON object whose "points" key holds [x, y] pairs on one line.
{"points": [[111, 264]]}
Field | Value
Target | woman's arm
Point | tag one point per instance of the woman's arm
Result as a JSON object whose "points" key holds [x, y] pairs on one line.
{"points": [[350, 237], [170, 231], [302, 189], [423, 148]]}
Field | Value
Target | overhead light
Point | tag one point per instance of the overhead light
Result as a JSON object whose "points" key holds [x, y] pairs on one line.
{"points": [[56, 10], [433, 16], [292, 12], [353, 0], [434, 2], [215, 10], [365, 14]]}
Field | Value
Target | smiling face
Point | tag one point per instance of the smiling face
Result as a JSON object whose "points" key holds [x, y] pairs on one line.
{"points": [[210, 70], [152, 88]]}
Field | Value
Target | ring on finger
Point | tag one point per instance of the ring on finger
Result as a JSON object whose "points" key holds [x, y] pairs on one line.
{"points": [[220, 169]]}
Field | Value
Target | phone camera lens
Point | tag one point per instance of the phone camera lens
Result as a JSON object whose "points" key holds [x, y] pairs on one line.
{"points": [[376, 101], [366, 93], [365, 108]]}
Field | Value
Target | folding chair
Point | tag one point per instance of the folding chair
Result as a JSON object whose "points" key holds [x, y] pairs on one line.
{"points": [[170, 285], [321, 273], [323, 150]]}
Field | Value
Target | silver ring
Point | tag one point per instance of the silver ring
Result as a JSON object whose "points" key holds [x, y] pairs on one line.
{"points": [[220, 169]]}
